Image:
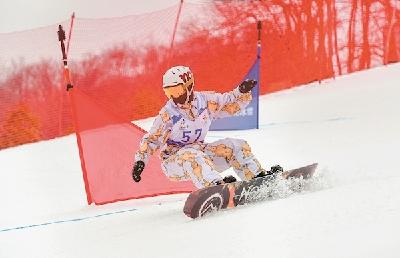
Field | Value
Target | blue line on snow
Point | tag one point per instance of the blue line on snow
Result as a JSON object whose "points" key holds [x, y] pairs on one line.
{"points": [[66, 221]]}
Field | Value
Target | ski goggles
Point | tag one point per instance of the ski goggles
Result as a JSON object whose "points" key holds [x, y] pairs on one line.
{"points": [[178, 90], [174, 91]]}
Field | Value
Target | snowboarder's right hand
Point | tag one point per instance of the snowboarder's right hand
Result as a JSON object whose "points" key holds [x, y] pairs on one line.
{"points": [[137, 171]]}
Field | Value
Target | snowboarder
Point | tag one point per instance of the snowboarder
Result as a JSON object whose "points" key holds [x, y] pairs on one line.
{"points": [[180, 129]]}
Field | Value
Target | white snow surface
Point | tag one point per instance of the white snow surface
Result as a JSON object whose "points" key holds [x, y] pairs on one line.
{"points": [[350, 126]]}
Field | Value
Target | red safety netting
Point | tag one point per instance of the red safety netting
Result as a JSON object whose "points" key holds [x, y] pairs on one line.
{"points": [[120, 61], [117, 63]]}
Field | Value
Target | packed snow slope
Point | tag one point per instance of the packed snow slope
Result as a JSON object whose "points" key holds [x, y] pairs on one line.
{"points": [[350, 126]]}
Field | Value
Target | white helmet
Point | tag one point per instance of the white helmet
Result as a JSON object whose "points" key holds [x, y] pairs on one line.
{"points": [[177, 75], [178, 82]]}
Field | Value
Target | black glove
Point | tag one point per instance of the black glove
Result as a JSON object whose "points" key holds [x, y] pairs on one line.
{"points": [[137, 171], [247, 85]]}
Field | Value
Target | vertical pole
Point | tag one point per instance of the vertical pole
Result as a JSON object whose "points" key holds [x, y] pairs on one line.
{"points": [[61, 93], [171, 46], [61, 38], [386, 60], [71, 26], [259, 26], [67, 79], [89, 197]]}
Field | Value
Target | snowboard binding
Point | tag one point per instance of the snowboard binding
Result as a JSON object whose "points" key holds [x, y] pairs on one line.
{"points": [[226, 180], [275, 170]]}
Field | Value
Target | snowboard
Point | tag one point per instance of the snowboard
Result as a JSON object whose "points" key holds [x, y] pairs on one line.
{"points": [[230, 195]]}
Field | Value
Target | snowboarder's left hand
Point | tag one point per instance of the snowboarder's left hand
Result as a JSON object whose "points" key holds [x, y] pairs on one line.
{"points": [[137, 171], [247, 85]]}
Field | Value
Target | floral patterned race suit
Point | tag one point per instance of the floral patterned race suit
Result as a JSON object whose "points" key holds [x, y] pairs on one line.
{"points": [[180, 133]]}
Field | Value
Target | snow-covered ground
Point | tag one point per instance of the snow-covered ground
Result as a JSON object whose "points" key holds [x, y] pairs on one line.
{"points": [[350, 125]]}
